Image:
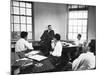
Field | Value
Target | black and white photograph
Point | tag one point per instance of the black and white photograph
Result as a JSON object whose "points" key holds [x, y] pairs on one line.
{"points": [[51, 37]]}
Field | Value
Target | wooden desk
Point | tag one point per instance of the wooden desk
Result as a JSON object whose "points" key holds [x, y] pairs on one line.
{"points": [[47, 66], [67, 53]]}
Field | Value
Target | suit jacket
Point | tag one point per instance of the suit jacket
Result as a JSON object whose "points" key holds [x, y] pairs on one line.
{"points": [[47, 36]]}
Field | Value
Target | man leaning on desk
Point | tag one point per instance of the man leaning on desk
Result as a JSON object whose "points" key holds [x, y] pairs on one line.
{"points": [[23, 45]]}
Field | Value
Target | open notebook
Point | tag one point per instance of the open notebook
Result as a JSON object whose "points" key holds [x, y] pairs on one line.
{"points": [[38, 57]]}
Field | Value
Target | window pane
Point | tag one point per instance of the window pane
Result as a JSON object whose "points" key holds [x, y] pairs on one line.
{"points": [[84, 36], [75, 14], [70, 28], [74, 36], [71, 15], [79, 29], [73, 22], [74, 29], [85, 14], [22, 4], [16, 35], [22, 11], [23, 19], [29, 20], [15, 3], [84, 22], [28, 11], [79, 22], [23, 27], [28, 5], [29, 27], [84, 29], [79, 14], [29, 35], [16, 27], [16, 10], [16, 19], [70, 36]]}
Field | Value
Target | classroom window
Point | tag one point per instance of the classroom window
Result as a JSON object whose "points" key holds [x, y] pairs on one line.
{"points": [[21, 19], [77, 22]]}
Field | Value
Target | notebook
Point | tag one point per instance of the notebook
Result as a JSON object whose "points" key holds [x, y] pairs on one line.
{"points": [[38, 57]]}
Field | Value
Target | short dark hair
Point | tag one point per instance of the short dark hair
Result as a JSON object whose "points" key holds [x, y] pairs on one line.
{"points": [[57, 36], [92, 45], [23, 34], [79, 35], [49, 25]]}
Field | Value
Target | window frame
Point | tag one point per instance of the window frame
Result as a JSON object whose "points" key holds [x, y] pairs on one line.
{"points": [[85, 8], [19, 15]]}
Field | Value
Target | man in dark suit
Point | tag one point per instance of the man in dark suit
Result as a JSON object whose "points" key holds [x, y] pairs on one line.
{"points": [[46, 39]]}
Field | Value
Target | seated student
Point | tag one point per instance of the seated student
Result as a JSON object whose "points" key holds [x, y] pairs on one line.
{"points": [[85, 61], [57, 48], [79, 42], [22, 44]]}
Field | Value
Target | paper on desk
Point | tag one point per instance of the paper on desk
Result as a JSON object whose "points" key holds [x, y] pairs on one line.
{"points": [[38, 57], [24, 59], [32, 53], [70, 45]]}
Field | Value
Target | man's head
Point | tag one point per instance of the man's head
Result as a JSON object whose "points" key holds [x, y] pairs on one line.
{"points": [[23, 34], [57, 37], [89, 47], [49, 27], [79, 36]]}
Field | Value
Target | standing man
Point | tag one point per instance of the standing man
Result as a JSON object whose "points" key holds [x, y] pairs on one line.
{"points": [[46, 38]]}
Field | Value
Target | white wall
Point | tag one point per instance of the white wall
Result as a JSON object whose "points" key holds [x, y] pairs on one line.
{"points": [[53, 14], [92, 23]]}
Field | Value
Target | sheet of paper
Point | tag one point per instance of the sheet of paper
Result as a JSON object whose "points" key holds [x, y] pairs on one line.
{"points": [[32, 53], [24, 59], [38, 57]]}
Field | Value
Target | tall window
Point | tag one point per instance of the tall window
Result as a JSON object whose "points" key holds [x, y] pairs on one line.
{"points": [[77, 24], [21, 19]]}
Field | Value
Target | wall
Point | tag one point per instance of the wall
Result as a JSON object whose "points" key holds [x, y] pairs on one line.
{"points": [[53, 14], [92, 23]]}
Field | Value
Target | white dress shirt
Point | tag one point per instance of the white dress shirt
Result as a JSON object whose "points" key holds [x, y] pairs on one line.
{"points": [[85, 61], [22, 45], [79, 42], [57, 49]]}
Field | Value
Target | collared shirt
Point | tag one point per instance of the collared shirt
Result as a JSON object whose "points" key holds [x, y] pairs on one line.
{"points": [[85, 61], [22, 45], [79, 42], [57, 49]]}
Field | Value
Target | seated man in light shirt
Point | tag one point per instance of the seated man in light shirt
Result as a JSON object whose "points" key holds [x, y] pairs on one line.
{"points": [[85, 61], [56, 46], [22, 45], [79, 42], [57, 50]]}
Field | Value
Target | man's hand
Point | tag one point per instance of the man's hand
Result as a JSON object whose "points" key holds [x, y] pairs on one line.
{"points": [[50, 52]]}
